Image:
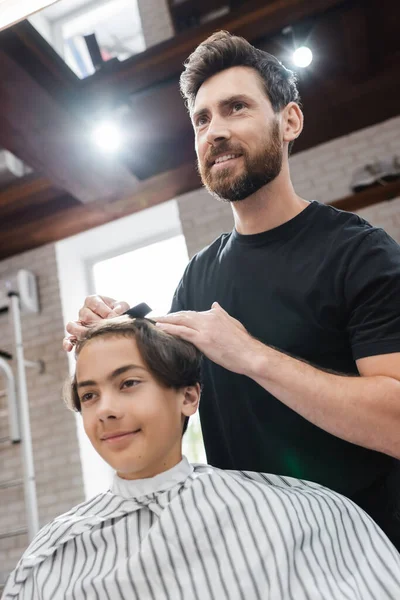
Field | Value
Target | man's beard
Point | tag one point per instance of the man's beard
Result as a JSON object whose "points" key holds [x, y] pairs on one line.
{"points": [[258, 170]]}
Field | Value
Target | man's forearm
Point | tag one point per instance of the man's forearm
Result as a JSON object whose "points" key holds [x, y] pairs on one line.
{"points": [[361, 410]]}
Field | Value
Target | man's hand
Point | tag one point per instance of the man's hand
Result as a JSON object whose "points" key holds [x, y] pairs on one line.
{"points": [[95, 309], [214, 332]]}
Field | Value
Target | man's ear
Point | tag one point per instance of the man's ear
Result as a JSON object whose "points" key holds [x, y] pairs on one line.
{"points": [[292, 122], [191, 399]]}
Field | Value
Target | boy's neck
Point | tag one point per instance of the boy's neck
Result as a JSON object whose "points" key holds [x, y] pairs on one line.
{"points": [[135, 488], [153, 469]]}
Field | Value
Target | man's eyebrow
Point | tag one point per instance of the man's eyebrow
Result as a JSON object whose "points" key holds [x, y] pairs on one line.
{"points": [[112, 375], [221, 104]]}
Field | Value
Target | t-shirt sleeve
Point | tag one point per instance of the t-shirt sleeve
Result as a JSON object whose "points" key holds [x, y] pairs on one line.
{"points": [[372, 292]]}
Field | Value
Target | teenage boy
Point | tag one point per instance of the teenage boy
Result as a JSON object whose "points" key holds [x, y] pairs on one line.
{"points": [[171, 530]]}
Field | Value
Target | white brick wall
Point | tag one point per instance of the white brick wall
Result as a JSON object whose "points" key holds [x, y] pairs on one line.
{"points": [[156, 21], [385, 215], [54, 438], [322, 173], [203, 218]]}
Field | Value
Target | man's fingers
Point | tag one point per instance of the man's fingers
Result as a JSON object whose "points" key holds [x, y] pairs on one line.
{"points": [[106, 299], [178, 318], [185, 333], [69, 343], [76, 330], [96, 307], [89, 317], [118, 309]]}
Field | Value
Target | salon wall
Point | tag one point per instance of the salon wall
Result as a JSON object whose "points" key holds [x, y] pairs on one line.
{"points": [[54, 436], [322, 173], [156, 21]]}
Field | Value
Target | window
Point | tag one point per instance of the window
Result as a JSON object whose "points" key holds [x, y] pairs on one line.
{"points": [[115, 23], [150, 274]]}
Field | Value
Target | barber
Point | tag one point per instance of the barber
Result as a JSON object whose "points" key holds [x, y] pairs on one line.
{"points": [[297, 309]]}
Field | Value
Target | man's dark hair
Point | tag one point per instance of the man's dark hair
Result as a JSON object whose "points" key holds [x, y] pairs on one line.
{"points": [[173, 362], [223, 50]]}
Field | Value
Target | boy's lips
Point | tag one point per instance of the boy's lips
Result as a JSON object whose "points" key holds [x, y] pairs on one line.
{"points": [[115, 436]]}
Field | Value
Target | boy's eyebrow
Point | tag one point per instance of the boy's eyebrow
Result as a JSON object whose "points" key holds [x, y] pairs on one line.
{"points": [[222, 104], [112, 375]]}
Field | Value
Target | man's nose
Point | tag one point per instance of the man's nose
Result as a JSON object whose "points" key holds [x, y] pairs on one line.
{"points": [[217, 131]]}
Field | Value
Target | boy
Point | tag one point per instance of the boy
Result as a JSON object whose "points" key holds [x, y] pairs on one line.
{"points": [[168, 529]]}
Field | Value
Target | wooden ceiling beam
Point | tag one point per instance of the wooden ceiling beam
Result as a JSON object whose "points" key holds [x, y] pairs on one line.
{"points": [[368, 197], [23, 189], [75, 219], [24, 44], [27, 200], [356, 40], [54, 142]]}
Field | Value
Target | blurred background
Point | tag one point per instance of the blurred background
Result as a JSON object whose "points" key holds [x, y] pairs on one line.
{"points": [[99, 192]]}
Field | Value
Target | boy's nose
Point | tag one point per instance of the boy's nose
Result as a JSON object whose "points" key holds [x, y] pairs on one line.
{"points": [[108, 408]]}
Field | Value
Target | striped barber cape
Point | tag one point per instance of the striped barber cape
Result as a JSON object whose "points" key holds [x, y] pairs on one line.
{"points": [[196, 532]]}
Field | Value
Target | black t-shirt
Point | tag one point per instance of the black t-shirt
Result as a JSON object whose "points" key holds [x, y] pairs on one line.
{"points": [[324, 287]]}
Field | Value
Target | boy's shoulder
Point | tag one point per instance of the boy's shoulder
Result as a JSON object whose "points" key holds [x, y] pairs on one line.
{"points": [[81, 517], [65, 527]]}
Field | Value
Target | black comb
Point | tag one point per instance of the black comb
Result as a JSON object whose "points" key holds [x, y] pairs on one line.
{"points": [[139, 311]]}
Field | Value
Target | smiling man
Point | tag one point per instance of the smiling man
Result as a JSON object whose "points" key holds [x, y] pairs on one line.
{"points": [[296, 310], [169, 530], [232, 170]]}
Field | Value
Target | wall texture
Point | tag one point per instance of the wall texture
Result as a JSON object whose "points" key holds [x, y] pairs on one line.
{"points": [[385, 215], [54, 438], [156, 21], [322, 173]]}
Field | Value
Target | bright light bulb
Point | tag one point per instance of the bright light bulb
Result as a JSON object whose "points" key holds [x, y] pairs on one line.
{"points": [[107, 137], [302, 57]]}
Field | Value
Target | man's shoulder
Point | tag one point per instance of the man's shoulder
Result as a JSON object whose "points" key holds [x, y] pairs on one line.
{"points": [[341, 222], [348, 234]]}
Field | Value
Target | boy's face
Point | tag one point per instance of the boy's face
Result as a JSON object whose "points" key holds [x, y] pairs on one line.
{"points": [[133, 422]]}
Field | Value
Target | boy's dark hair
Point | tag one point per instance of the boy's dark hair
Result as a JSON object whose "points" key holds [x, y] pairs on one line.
{"points": [[223, 50], [173, 362]]}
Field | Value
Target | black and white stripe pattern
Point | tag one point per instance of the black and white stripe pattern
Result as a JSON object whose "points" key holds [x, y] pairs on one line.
{"points": [[205, 534]]}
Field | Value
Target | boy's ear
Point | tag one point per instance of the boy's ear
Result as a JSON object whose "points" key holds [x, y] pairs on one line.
{"points": [[191, 399]]}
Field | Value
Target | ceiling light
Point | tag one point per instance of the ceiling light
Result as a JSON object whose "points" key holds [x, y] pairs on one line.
{"points": [[107, 137], [302, 56], [12, 11]]}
